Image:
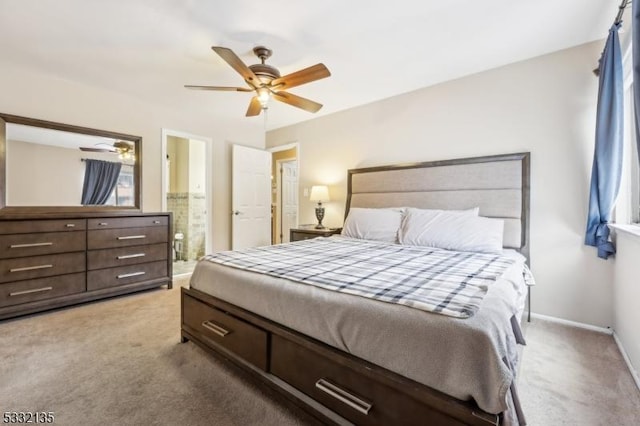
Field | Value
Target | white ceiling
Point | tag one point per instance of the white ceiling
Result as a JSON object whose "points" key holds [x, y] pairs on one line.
{"points": [[150, 48], [59, 138]]}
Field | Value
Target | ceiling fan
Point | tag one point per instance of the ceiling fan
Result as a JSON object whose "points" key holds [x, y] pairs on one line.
{"points": [[266, 82], [123, 148]]}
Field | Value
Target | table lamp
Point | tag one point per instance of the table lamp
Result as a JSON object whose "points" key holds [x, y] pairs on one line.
{"points": [[319, 193]]}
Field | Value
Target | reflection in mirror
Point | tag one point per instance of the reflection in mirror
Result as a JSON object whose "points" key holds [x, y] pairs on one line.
{"points": [[48, 167], [42, 167]]}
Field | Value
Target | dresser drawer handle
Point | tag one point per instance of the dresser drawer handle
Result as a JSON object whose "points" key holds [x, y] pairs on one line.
{"points": [[30, 268], [70, 225], [30, 245], [130, 256], [132, 274], [342, 395], [156, 222], [35, 290], [132, 237], [102, 224], [215, 328]]}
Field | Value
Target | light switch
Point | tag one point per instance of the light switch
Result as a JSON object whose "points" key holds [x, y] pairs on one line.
{"points": [[305, 192]]}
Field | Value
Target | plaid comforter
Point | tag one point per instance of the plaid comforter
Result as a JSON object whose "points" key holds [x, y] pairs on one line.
{"points": [[434, 280]]}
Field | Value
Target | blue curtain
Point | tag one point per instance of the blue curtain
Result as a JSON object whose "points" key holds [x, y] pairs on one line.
{"points": [[607, 158], [100, 179], [635, 45]]}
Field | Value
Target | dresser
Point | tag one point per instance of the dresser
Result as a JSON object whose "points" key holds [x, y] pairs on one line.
{"points": [[47, 262]]}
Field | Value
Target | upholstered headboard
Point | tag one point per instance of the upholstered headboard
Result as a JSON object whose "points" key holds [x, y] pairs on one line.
{"points": [[498, 184]]}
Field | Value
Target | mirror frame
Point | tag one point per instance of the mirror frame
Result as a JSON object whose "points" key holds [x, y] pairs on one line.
{"points": [[18, 210]]}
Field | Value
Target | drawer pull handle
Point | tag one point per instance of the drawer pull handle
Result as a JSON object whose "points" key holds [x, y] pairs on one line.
{"points": [[102, 224], [132, 237], [342, 395], [215, 328], [30, 268], [70, 225], [30, 245], [129, 275], [130, 256], [35, 290], [157, 222]]}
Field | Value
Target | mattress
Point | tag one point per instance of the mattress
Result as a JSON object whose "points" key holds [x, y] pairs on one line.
{"points": [[474, 358]]}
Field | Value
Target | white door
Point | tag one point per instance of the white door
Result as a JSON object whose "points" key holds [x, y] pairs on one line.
{"points": [[289, 197], [251, 197]]}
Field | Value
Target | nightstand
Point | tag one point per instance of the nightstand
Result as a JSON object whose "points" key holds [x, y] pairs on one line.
{"points": [[299, 234]]}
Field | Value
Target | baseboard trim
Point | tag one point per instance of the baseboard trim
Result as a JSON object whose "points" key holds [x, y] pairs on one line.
{"points": [[627, 360], [605, 330]]}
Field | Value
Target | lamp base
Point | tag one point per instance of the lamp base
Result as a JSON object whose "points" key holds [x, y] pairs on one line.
{"points": [[320, 216]]}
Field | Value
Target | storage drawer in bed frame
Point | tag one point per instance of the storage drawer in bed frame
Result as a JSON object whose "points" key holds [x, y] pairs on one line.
{"points": [[331, 385], [217, 326]]}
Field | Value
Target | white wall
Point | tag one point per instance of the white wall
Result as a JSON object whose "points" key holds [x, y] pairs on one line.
{"points": [[626, 293], [197, 170], [544, 105], [32, 94]]}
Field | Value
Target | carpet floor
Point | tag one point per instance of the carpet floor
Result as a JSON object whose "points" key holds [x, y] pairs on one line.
{"points": [[119, 361]]}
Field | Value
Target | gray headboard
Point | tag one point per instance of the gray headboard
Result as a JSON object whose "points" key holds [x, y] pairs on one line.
{"points": [[498, 184]]}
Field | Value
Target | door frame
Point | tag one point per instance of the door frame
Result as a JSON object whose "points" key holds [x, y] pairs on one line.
{"points": [[208, 185], [285, 147], [279, 194]]}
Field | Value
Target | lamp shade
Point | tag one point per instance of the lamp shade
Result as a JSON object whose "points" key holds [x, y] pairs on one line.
{"points": [[319, 193]]}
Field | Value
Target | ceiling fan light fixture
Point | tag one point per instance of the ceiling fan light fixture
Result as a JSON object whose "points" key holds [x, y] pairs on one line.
{"points": [[263, 96], [127, 156]]}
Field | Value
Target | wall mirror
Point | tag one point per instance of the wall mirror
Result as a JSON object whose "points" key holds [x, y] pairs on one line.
{"points": [[52, 166]]}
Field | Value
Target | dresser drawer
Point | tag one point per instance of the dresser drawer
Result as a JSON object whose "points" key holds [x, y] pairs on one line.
{"points": [[114, 277], [20, 245], [42, 288], [26, 268], [333, 383], [127, 222], [109, 258], [31, 226], [125, 237], [239, 337]]}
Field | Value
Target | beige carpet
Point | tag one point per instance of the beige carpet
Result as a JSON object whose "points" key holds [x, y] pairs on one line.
{"points": [[119, 362], [572, 376]]}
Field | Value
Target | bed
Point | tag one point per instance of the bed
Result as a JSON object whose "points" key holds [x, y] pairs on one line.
{"points": [[348, 359]]}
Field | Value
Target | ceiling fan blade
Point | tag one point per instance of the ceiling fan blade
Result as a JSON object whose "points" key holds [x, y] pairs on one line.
{"points": [[237, 64], [297, 101], [307, 75], [221, 88], [254, 107], [89, 149]]}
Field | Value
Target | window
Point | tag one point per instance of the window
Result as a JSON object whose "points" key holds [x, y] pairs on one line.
{"points": [[628, 204], [123, 193]]}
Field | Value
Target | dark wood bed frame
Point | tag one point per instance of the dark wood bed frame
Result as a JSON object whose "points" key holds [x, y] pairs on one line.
{"points": [[332, 386]]}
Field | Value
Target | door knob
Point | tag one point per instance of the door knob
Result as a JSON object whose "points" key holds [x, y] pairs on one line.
{"points": [[236, 212]]}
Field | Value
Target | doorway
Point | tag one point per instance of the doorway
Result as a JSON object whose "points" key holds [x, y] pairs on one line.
{"points": [[186, 193], [284, 179]]}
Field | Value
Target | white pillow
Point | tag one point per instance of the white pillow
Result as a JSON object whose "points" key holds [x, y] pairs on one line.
{"points": [[422, 217], [373, 224], [451, 231]]}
